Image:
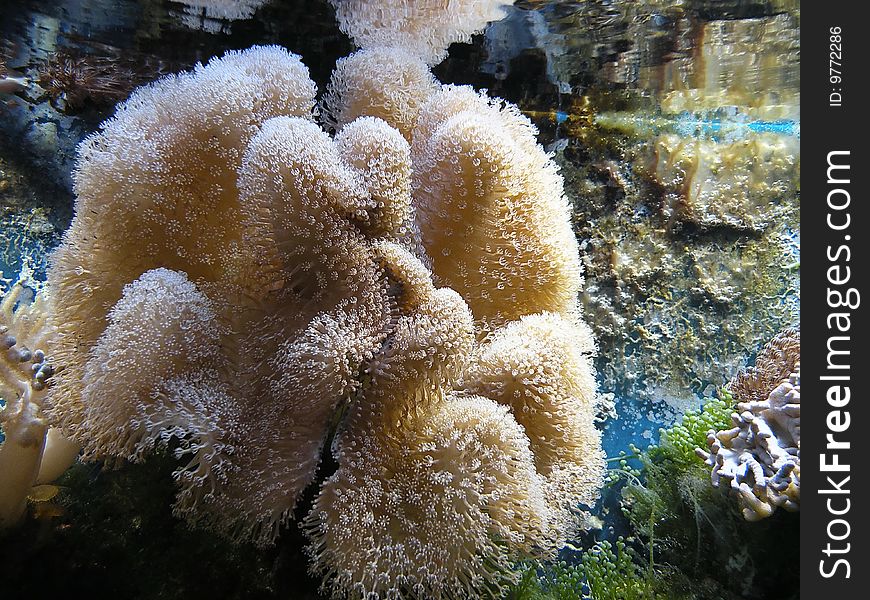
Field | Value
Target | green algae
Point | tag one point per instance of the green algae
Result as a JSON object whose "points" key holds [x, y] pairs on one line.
{"points": [[607, 571], [695, 531], [686, 540]]}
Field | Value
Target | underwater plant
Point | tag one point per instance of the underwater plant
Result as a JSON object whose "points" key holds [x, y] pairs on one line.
{"points": [[671, 483], [704, 544], [606, 571], [241, 287]]}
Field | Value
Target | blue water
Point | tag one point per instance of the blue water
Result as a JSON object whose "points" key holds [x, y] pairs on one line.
{"points": [[633, 425]]}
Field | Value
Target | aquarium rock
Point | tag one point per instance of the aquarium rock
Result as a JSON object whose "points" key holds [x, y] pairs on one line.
{"points": [[746, 184]]}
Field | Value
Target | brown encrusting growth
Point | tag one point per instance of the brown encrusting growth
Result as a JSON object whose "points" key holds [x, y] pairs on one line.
{"points": [[774, 364]]}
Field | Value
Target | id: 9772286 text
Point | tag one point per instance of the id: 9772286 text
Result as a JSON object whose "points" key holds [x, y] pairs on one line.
{"points": [[835, 66]]}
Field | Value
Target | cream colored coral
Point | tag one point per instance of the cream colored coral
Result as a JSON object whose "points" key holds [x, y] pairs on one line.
{"points": [[388, 83], [382, 156], [441, 512], [160, 327], [490, 205], [541, 367], [436, 493], [222, 9], [422, 27], [243, 349], [304, 346], [491, 209], [164, 166], [237, 282]]}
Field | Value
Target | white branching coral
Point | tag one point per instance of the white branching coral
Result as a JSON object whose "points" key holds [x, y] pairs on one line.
{"points": [[28, 454], [759, 457], [424, 28]]}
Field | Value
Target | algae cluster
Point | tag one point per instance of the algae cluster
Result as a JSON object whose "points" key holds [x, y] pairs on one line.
{"points": [[607, 571]]}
